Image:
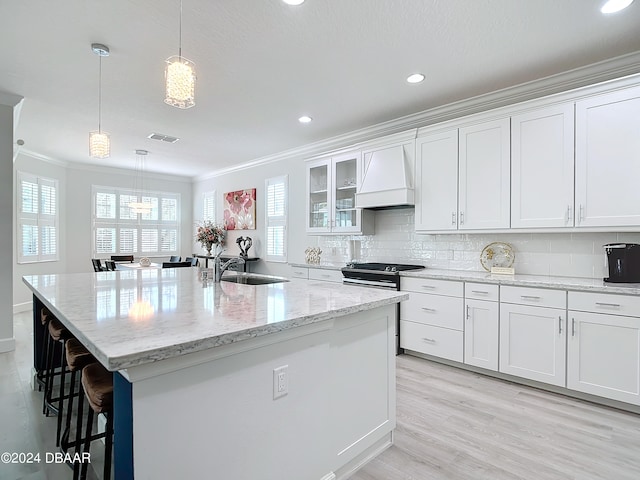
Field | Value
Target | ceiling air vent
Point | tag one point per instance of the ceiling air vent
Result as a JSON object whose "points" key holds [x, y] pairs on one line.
{"points": [[164, 138]]}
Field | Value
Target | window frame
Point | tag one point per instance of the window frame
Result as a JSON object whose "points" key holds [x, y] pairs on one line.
{"points": [[209, 206], [39, 220], [160, 229], [276, 220]]}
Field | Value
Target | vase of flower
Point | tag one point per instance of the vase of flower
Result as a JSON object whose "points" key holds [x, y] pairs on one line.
{"points": [[208, 234]]}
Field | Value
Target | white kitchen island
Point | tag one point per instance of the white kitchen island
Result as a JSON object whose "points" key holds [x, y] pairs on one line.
{"points": [[195, 391]]}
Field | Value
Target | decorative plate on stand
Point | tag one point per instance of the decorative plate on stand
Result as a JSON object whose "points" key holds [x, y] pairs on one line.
{"points": [[497, 254]]}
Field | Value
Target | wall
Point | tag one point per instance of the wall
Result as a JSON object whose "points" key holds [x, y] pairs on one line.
{"points": [[75, 182], [557, 254], [255, 177], [7, 104]]}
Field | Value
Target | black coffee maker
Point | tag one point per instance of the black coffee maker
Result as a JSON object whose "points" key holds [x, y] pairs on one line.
{"points": [[624, 262]]}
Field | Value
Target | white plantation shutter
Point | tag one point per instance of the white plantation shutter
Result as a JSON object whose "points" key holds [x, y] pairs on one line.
{"points": [[276, 221], [209, 206], [37, 232], [118, 230]]}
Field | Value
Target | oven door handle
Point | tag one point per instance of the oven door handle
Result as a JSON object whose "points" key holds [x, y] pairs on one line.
{"points": [[371, 283]]}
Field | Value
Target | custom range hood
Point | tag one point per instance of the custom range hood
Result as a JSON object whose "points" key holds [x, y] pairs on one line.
{"points": [[387, 178]]}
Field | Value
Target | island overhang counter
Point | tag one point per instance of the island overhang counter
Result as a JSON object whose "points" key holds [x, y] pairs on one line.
{"points": [[196, 371]]}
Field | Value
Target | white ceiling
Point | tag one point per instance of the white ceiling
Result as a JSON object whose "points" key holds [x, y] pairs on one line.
{"points": [[261, 64]]}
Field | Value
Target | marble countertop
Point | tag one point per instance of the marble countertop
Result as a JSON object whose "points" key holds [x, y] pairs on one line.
{"points": [[596, 285], [129, 318]]}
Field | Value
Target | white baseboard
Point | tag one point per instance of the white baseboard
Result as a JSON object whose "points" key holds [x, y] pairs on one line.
{"points": [[7, 344], [22, 307]]}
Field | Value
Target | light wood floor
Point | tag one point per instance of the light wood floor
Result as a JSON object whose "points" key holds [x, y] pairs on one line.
{"points": [[454, 424]]}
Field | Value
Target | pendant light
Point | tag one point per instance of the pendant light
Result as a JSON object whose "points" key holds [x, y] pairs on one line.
{"points": [[140, 206], [180, 78], [99, 141]]}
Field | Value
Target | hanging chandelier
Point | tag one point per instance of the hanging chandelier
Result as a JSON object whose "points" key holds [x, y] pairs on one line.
{"points": [[140, 205], [180, 78], [99, 141]]}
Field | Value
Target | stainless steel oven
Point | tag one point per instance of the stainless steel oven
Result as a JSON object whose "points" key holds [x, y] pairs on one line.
{"points": [[378, 275]]}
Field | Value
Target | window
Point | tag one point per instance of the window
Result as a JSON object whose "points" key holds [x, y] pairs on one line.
{"points": [[119, 230], [209, 206], [37, 219], [276, 221]]}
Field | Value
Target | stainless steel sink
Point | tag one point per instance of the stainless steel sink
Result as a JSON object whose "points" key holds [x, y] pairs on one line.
{"points": [[252, 279]]}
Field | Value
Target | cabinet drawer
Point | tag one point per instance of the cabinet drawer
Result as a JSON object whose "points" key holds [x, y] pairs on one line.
{"points": [[428, 285], [436, 310], [436, 341], [481, 291], [605, 303], [299, 272], [533, 296], [326, 275]]}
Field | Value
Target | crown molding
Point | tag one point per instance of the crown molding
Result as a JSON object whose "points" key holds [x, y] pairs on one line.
{"points": [[613, 68], [10, 99], [103, 169]]}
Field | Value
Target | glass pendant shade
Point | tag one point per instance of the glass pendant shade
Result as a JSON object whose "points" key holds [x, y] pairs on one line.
{"points": [[180, 76], [99, 144]]}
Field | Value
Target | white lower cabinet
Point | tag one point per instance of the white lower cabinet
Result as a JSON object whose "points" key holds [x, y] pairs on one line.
{"points": [[604, 348], [533, 342], [431, 323], [481, 333]]}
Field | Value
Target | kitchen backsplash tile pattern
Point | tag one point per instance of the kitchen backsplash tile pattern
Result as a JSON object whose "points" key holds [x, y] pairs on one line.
{"points": [[557, 254]]}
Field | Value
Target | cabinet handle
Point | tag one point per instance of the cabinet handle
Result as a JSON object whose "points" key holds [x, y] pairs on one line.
{"points": [[453, 218], [325, 275], [559, 324], [461, 218], [430, 340], [581, 215], [468, 314], [480, 292], [602, 304], [431, 287], [426, 309], [569, 213], [529, 297], [573, 327]]}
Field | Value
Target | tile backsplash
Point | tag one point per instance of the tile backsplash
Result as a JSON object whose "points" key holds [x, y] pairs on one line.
{"points": [[557, 254]]}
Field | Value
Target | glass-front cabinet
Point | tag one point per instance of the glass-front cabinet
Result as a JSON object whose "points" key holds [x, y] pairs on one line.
{"points": [[332, 183]]}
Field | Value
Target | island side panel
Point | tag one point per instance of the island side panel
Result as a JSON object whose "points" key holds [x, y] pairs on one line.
{"points": [[122, 428], [221, 416]]}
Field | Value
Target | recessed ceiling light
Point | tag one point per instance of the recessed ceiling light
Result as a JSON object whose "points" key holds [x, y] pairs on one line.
{"points": [[293, 2], [305, 119], [415, 78], [613, 6]]}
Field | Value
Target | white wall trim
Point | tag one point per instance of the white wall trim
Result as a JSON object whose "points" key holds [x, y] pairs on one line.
{"points": [[22, 307], [588, 75], [10, 99], [7, 344], [103, 169]]}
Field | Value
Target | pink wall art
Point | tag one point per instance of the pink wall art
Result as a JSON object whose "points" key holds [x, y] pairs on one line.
{"points": [[240, 210]]}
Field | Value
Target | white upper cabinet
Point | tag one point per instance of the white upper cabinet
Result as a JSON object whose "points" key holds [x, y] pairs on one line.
{"points": [[331, 188], [542, 167], [484, 176], [608, 160], [437, 181]]}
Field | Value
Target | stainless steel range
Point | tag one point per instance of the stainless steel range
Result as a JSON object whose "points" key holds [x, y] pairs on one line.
{"points": [[378, 275]]}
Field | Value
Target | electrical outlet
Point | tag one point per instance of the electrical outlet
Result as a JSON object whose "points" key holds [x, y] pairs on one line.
{"points": [[280, 381]]}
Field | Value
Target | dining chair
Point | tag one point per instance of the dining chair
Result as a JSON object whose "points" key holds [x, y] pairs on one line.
{"points": [[175, 264], [110, 265], [175, 258], [122, 258], [97, 265], [194, 261]]}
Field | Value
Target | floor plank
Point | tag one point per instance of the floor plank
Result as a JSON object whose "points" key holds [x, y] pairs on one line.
{"points": [[455, 424]]}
